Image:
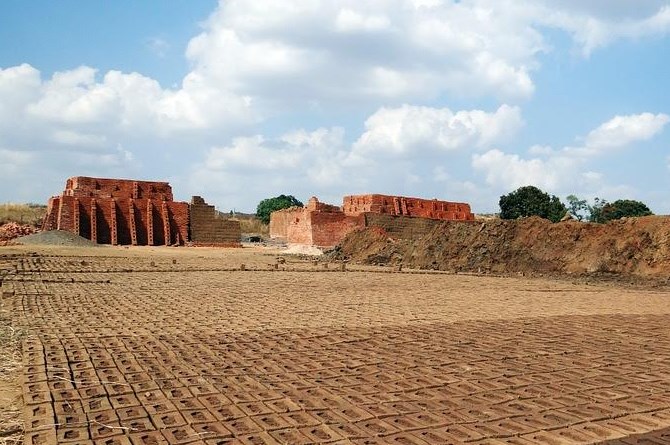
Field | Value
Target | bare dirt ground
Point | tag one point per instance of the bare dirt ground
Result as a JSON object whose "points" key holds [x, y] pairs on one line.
{"points": [[228, 346]]}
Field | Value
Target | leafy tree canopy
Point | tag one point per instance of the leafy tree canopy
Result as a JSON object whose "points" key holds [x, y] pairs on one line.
{"points": [[578, 208], [531, 201], [269, 205], [619, 209]]}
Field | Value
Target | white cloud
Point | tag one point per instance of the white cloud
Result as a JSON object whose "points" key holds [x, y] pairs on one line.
{"points": [[596, 24], [399, 51], [411, 130], [511, 171], [256, 58], [19, 85], [624, 130]]}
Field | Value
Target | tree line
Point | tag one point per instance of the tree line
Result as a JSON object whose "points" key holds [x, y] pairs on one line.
{"points": [[531, 201], [522, 202]]}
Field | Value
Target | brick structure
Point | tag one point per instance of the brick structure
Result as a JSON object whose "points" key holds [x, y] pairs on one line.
{"points": [[207, 228], [324, 225], [316, 224], [402, 206], [128, 212]]}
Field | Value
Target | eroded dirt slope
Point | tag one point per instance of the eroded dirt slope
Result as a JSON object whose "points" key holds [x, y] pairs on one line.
{"points": [[629, 247]]}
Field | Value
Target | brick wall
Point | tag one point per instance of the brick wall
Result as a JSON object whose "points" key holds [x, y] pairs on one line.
{"points": [[279, 221], [299, 226], [400, 205], [316, 224], [82, 186], [207, 228], [328, 229]]}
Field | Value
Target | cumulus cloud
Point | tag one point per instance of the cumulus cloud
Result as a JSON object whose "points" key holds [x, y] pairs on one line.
{"points": [[512, 171], [411, 130], [624, 130], [400, 50], [256, 58], [596, 24], [558, 170], [132, 102]]}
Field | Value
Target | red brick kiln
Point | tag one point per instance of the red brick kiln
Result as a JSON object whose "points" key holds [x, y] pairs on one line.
{"points": [[122, 211]]}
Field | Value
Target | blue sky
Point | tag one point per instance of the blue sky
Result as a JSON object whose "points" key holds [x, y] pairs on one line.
{"points": [[241, 100]]}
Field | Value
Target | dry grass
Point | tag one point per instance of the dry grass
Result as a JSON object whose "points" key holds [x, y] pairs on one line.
{"points": [[255, 226], [32, 214], [249, 224], [11, 424]]}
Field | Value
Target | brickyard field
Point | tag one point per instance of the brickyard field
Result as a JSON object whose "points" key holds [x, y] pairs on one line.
{"points": [[150, 345]]}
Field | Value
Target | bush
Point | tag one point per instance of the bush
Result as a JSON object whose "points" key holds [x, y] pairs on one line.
{"points": [[267, 206], [531, 201]]}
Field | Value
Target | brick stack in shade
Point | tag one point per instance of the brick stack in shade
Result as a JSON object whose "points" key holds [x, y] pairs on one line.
{"points": [[210, 229]]}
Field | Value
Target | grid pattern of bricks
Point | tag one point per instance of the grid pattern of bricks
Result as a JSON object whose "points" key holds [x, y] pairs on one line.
{"points": [[123, 357]]}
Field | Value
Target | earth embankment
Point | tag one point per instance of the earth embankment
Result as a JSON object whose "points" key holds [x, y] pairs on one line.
{"points": [[637, 247]]}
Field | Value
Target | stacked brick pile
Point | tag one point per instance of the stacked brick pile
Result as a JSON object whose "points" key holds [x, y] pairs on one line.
{"points": [[209, 229], [402, 206], [11, 230]]}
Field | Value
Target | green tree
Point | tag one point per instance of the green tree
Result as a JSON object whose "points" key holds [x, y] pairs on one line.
{"points": [[596, 210], [577, 207], [531, 201], [269, 205], [624, 208]]}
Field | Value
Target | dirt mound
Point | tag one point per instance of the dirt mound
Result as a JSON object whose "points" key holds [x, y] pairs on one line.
{"points": [[12, 230], [630, 246], [55, 238]]}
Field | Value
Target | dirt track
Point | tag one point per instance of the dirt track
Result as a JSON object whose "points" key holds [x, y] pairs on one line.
{"points": [[150, 346]]}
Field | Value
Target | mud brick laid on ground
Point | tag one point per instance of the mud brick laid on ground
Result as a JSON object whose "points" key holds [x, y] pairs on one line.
{"points": [[201, 357]]}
